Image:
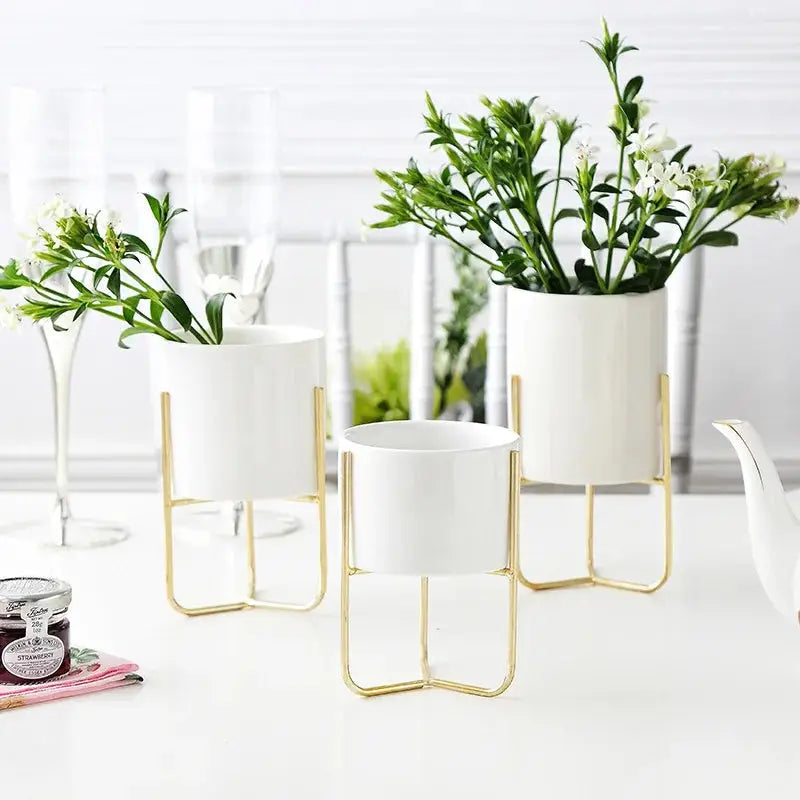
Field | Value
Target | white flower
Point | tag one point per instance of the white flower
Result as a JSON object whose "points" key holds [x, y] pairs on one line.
{"points": [[49, 214], [585, 152], [45, 223], [107, 218], [650, 143], [541, 112], [769, 164], [10, 315], [671, 178]]}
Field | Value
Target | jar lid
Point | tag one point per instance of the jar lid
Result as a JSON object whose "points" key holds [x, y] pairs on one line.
{"points": [[16, 592]]}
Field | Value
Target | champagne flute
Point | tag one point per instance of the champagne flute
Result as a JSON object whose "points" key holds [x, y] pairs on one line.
{"points": [[232, 175], [56, 150]]}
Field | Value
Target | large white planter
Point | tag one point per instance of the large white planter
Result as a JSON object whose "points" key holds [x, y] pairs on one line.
{"points": [[243, 411], [589, 369], [430, 497]]}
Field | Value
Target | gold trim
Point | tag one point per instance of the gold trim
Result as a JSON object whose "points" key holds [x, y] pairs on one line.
{"points": [[428, 680], [593, 578], [171, 503]]}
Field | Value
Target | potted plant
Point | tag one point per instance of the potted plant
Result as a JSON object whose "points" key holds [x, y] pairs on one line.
{"points": [[587, 340], [244, 411]]}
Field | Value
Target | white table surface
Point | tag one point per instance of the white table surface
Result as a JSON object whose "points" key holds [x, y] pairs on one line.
{"points": [[693, 692]]}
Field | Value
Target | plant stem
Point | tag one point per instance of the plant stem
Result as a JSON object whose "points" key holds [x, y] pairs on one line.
{"points": [[612, 229], [555, 191]]}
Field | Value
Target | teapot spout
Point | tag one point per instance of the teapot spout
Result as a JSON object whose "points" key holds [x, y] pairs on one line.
{"points": [[774, 530]]}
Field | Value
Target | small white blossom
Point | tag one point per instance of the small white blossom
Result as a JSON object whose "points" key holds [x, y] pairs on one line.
{"points": [[55, 209], [769, 164], [650, 143], [671, 177], [542, 112], [10, 315], [585, 152]]}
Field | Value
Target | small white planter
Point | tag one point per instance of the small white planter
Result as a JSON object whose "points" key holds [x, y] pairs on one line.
{"points": [[430, 497], [242, 413], [589, 369]]}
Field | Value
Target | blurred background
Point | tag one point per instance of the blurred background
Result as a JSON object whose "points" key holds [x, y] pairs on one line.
{"points": [[351, 77]]}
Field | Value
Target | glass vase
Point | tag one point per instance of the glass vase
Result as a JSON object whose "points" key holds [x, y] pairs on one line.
{"points": [[232, 176], [56, 147]]}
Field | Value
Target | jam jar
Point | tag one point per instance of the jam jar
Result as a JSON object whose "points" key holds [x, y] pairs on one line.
{"points": [[34, 629]]}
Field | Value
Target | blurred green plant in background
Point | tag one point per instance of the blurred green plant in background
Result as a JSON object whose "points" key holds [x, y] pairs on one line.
{"points": [[381, 381]]}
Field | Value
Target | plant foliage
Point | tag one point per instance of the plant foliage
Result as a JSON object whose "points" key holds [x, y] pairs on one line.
{"points": [[494, 200]]}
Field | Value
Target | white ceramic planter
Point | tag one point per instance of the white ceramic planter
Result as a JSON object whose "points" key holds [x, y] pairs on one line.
{"points": [[430, 497], [243, 411], [589, 368]]}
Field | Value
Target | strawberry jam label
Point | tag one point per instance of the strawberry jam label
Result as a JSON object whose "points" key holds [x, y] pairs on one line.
{"points": [[34, 657]]}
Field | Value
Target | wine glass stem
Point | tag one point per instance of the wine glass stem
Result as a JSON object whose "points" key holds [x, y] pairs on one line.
{"points": [[60, 351], [238, 511]]}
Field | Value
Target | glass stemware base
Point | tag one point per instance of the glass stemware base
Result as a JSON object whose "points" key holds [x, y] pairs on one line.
{"points": [[226, 520], [68, 532]]}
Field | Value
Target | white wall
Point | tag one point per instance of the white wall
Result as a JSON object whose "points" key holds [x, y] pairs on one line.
{"points": [[352, 77]]}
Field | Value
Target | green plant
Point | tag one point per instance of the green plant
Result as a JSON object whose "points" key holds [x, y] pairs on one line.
{"points": [[474, 378], [493, 201], [81, 262], [469, 299], [381, 386]]}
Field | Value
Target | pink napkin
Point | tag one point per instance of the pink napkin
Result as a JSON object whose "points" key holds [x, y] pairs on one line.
{"points": [[91, 671]]}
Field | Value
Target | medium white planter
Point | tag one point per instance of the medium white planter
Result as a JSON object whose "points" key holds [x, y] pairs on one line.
{"points": [[430, 497], [589, 369], [243, 411]]}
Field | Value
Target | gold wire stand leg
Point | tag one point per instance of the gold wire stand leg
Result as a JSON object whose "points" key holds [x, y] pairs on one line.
{"points": [[170, 503], [428, 680], [593, 578]]}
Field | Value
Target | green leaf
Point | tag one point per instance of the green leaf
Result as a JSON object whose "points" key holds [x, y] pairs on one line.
{"points": [[99, 274], [601, 211], [155, 208], [214, 308], [176, 306], [135, 244], [127, 333], [583, 272], [632, 88], [631, 111], [77, 284], [717, 239], [607, 188], [679, 154], [156, 311], [670, 212], [639, 283], [114, 282], [568, 212], [589, 240]]}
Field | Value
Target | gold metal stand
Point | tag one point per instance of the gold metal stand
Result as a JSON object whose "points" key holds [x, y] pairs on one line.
{"points": [[427, 680], [665, 480], [170, 503]]}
